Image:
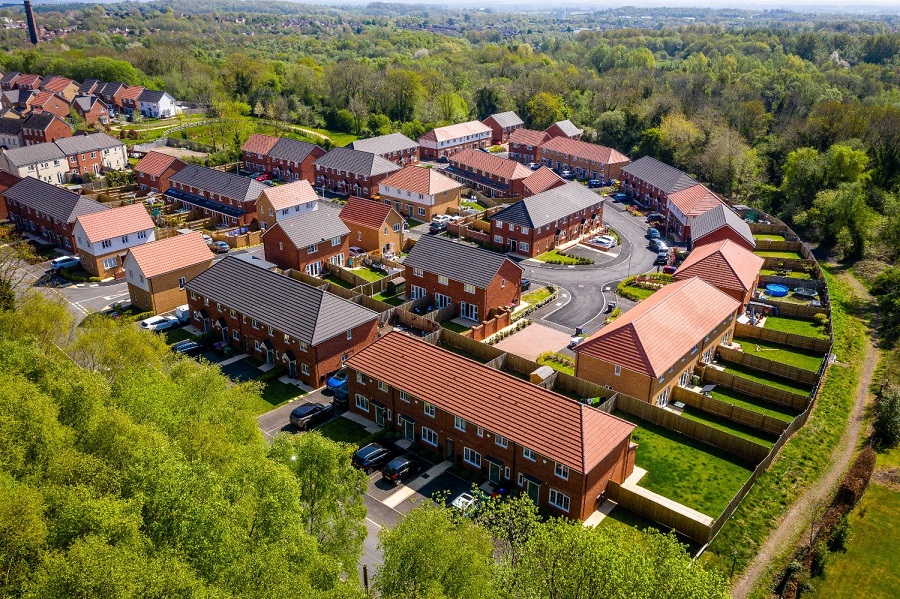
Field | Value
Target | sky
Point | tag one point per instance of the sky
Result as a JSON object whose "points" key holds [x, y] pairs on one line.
{"points": [[848, 6]]}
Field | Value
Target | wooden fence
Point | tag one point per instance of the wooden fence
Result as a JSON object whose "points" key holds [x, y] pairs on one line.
{"points": [[789, 263], [416, 321], [714, 376], [441, 313], [799, 310], [785, 371], [767, 245], [483, 352], [658, 512], [822, 346], [728, 411], [571, 385]]}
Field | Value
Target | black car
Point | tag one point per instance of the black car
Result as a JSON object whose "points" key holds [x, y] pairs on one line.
{"points": [[437, 227], [309, 414], [443, 159], [593, 183], [371, 457], [189, 347], [526, 284], [400, 469]]}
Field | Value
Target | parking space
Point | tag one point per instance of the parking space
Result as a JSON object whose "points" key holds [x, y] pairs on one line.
{"points": [[445, 482], [242, 370], [278, 420], [533, 340]]}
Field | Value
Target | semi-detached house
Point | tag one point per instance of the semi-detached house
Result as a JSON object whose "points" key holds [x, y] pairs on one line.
{"points": [[682, 207], [351, 172], [558, 451], [228, 198], [584, 160], [499, 177], [420, 193], [104, 238], [443, 142], [285, 201], [309, 242], [157, 272]]}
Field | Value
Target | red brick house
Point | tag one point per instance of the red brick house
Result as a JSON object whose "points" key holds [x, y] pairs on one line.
{"points": [[502, 125], [650, 182], [374, 226], [93, 153], [129, 99], [395, 147], [351, 172], [564, 129], [7, 180], [92, 109], [228, 198], [154, 170], [255, 152], [279, 320], [43, 127], [558, 451], [62, 86], [585, 160], [112, 93], [539, 223], [727, 266], [50, 102], [443, 142], [29, 82], [497, 177], [286, 158], [682, 207], [309, 242], [474, 280], [524, 145], [718, 224]]}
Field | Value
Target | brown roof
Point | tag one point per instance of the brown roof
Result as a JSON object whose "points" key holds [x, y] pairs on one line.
{"points": [[28, 79], [541, 180], [43, 97], [554, 426], [528, 137], [156, 163], [695, 200], [651, 337], [488, 163], [171, 254], [417, 179], [457, 131], [292, 194], [585, 150], [131, 93], [7, 180], [115, 222], [259, 144], [367, 213], [725, 264], [56, 83]]}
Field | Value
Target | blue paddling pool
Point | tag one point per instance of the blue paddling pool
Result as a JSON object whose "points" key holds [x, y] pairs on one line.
{"points": [[776, 290]]}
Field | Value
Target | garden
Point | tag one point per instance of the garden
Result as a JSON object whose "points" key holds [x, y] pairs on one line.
{"points": [[805, 360], [797, 326], [768, 380], [640, 287], [555, 256]]}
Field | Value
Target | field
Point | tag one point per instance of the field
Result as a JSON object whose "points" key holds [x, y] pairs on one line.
{"points": [[795, 326], [779, 353]]}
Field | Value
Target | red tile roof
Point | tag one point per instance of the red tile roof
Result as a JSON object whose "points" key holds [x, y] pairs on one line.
{"points": [[654, 335], [554, 426], [156, 163], [724, 264], [528, 137], [171, 254], [585, 150], [56, 84], [366, 213], [695, 200], [417, 179], [489, 164], [451, 132], [259, 144], [115, 222], [28, 79], [131, 93], [292, 194], [541, 180]]}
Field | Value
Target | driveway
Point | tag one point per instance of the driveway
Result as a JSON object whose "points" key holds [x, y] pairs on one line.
{"points": [[242, 370], [534, 339], [278, 420]]}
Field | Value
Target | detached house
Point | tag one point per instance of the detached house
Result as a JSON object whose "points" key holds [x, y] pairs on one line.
{"points": [[373, 226], [564, 129], [105, 237], [157, 272], [721, 223], [285, 201], [525, 144], [443, 142], [420, 193], [228, 198], [44, 127], [92, 109], [129, 99], [395, 147], [50, 102], [655, 345], [309, 242], [539, 223], [502, 125], [279, 320], [155, 169], [586, 161], [558, 451], [474, 280], [156, 104], [29, 82], [650, 182], [351, 172], [727, 266], [62, 86]]}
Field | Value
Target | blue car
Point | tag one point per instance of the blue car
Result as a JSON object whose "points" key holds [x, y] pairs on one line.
{"points": [[336, 380], [620, 197]]}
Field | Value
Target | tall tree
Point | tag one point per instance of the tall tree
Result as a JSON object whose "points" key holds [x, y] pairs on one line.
{"points": [[544, 109]]}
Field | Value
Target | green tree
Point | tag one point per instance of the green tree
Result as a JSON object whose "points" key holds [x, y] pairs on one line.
{"points": [[488, 101], [681, 137], [544, 109], [379, 124], [344, 121], [843, 217], [887, 419], [14, 255]]}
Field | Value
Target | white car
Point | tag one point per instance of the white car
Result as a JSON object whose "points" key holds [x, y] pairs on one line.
{"points": [[605, 241], [356, 251], [183, 313], [207, 239], [574, 341], [464, 502], [64, 262], [441, 218], [160, 323]]}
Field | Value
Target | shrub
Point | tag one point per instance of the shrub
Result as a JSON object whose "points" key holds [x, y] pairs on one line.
{"points": [[271, 375], [821, 320], [840, 535], [819, 560], [887, 420], [613, 315]]}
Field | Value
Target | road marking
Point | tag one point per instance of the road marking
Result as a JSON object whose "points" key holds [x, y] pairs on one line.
{"points": [[375, 523], [399, 496]]}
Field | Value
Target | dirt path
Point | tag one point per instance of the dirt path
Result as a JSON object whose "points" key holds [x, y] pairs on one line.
{"points": [[797, 519]]}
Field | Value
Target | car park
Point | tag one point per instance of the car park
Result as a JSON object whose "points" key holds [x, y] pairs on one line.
{"points": [[64, 262], [189, 347], [307, 415], [658, 245], [400, 469], [371, 457], [160, 323], [337, 379], [220, 247], [653, 233]]}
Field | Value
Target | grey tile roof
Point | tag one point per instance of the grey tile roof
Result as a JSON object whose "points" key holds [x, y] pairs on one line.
{"points": [[109, 89], [9, 76], [10, 126], [33, 154], [88, 86], [568, 127], [224, 184], [150, 95], [287, 305], [354, 161], [86, 103], [59, 203], [457, 261], [384, 144], [718, 217], [292, 150], [508, 119], [40, 120], [78, 144], [548, 207], [660, 175], [19, 96], [318, 226]]}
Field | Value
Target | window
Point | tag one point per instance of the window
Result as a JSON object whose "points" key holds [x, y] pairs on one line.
{"points": [[470, 288], [236, 335], [479, 431], [304, 369], [312, 249], [142, 235], [360, 378], [512, 227], [443, 280], [181, 282], [280, 246], [271, 331], [396, 227], [459, 423], [498, 238], [350, 334], [362, 403], [525, 230], [417, 272], [521, 480], [335, 241], [472, 457], [404, 396], [359, 236], [529, 454], [303, 346], [124, 238], [429, 409], [663, 398], [421, 212], [106, 243], [523, 247], [110, 262], [429, 436], [562, 471], [618, 370], [382, 386], [559, 500], [501, 440], [502, 283], [499, 223]]}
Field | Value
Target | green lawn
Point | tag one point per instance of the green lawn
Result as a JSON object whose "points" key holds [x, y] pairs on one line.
{"points": [[274, 394], [338, 281], [554, 255], [784, 255], [805, 360], [538, 295], [394, 300], [337, 137], [795, 274], [176, 335], [764, 379], [456, 328], [369, 274], [796, 326], [343, 430], [639, 292], [732, 428], [684, 470], [869, 566], [736, 398], [769, 237], [557, 365]]}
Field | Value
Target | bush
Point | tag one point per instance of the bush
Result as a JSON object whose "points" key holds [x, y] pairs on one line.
{"points": [[840, 535], [819, 560], [77, 275], [613, 315], [887, 420], [821, 320]]}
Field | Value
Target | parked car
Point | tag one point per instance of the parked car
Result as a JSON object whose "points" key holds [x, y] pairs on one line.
{"points": [[440, 218], [307, 415], [269, 183], [605, 241], [662, 257], [160, 323], [485, 150], [443, 160], [669, 270], [183, 313], [341, 395], [189, 347], [264, 177], [620, 197], [220, 247], [653, 233], [371, 457], [595, 183], [400, 469], [526, 284], [207, 239], [567, 174], [655, 217], [659, 245], [337, 379], [465, 503], [64, 262], [437, 227], [356, 251], [534, 166], [574, 341]]}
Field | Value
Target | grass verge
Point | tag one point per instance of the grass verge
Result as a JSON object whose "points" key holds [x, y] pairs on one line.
{"points": [[343, 430], [533, 297], [557, 257], [638, 292], [274, 394], [779, 353], [795, 326]]}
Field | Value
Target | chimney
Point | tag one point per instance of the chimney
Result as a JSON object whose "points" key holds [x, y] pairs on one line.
{"points": [[32, 28]]}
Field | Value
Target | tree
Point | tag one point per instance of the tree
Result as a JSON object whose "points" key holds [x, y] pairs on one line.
{"points": [[728, 163], [544, 109], [451, 107], [681, 137], [887, 419], [360, 111], [413, 129], [15, 254], [344, 121], [843, 217], [487, 102]]}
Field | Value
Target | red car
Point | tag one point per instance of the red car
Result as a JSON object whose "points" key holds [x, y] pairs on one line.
{"points": [[264, 177], [669, 270]]}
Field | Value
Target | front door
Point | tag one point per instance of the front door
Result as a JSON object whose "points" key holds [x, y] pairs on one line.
{"points": [[270, 357], [532, 490], [494, 472], [292, 369], [512, 245], [225, 334], [409, 430], [449, 447], [379, 415], [205, 325]]}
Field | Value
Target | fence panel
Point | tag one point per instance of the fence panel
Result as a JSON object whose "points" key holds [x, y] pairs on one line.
{"points": [[801, 310], [483, 352], [766, 245], [568, 384], [731, 412], [521, 365], [785, 371], [657, 512], [822, 346], [754, 389]]}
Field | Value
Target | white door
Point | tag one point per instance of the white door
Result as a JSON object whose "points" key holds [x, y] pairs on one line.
{"points": [[314, 269], [469, 311]]}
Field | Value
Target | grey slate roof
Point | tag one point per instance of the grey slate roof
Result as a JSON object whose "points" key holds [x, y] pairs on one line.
{"points": [[34, 153], [9, 76], [88, 86], [507, 119], [86, 103], [224, 184], [39, 120], [384, 144], [568, 127], [354, 161], [86, 143], [109, 89], [57, 202], [10, 126], [19, 96], [286, 304], [292, 150], [457, 261], [547, 207], [150, 95], [718, 217], [318, 226], [660, 175]]}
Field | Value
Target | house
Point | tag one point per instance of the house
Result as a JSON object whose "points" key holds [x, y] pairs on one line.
{"points": [[494, 176], [564, 129], [539, 223], [395, 147], [539, 181], [45, 162], [156, 104], [93, 153], [45, 210], [294, 160], [285, 201], [29, 82], [7, 180], [558, 451], [92, 109], [104, 238], [10, 133], [44, 127], [524, 145], [227, 198], [721, 223], [650, 182], [309, 242], [655, 345], [279, 320], [585, 160], [50, 102], [351, 172], [157, 272], [155, 169], [683, 206], [474, 280], [8, 81], [420, 193], [255, 152], [727, 266], [9, 113], [443, 142], [502, 125], [18, 99], [129, 98], [374, 226], [89, 87], [61, 86], [111, 93]]}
